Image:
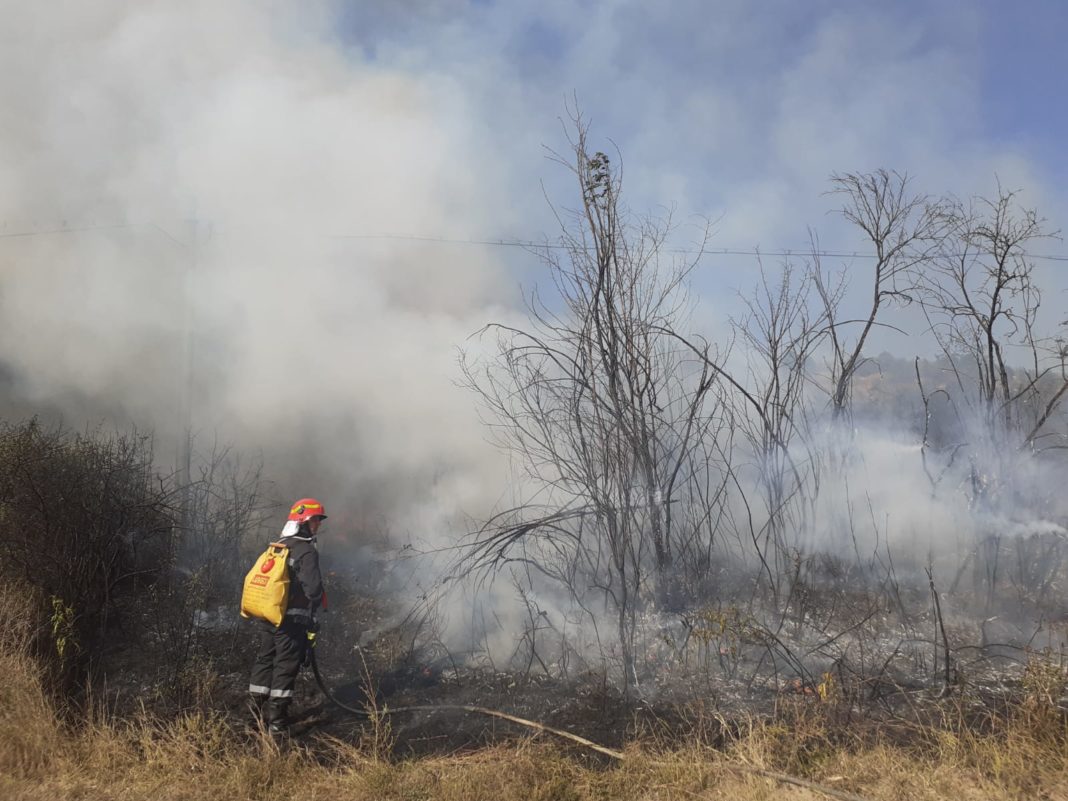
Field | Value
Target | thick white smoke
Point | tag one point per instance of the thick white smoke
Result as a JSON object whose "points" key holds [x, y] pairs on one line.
{"points": [[334, 357]]}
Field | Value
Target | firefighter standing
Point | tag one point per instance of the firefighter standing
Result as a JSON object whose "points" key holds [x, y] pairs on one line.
{"points": [[282, 649]]}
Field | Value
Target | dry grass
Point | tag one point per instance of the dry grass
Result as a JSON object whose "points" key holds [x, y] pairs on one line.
{"points": [[201, 757], [1021, 754]]}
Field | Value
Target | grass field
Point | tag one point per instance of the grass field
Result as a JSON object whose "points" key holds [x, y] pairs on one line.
{"points": [[1019, 754], [962, 751]]}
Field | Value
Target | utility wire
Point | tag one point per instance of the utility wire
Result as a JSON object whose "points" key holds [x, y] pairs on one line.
{"points": [[66, 230], [87, 228], [525, 244], [534, 245]]}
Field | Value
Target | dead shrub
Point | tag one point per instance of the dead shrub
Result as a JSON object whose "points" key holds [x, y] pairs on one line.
{"points": [[30, 733]]}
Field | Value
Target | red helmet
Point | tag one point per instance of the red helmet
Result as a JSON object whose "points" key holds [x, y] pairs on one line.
{"points": [[305, 509]]}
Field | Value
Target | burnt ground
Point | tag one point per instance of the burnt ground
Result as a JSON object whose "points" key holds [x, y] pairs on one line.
{"points": [[859, 658], [589, 706], [682, 701], [397, 673]]}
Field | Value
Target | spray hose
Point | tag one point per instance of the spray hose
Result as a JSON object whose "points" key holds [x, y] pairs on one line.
{"points": [[475, 710], [533, 724]]}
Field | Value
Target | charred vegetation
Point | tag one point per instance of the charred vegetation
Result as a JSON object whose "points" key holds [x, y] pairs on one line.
{"points": [[773, 525]]}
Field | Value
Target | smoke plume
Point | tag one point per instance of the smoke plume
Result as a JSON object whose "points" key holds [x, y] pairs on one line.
{"points": [[215, 161]]}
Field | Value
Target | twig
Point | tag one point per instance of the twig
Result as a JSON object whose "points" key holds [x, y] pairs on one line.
{"points": [[786, 778], [533, 724], [942, 628]]}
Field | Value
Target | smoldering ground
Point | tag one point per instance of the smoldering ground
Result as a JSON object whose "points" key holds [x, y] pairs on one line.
{"points": [[330, 356]]}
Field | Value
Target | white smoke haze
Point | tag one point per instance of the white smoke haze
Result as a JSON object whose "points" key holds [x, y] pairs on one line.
{"points": [[335, 357]]}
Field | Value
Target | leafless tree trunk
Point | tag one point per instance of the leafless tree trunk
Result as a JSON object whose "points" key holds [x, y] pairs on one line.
{"points": [[982, 302], [604, 410], [903, 229], [781, 333]]}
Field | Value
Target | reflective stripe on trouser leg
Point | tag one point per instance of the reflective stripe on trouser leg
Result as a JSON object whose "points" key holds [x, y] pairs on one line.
{"points": [[289, 642], [263, 667]]}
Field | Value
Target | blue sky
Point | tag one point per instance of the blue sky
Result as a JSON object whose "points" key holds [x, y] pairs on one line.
{"points": [[740, 108], [1024, 67]]}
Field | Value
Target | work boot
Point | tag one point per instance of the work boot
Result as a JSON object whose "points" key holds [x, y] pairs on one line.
{"points": [[256, 704], [277, 717]]}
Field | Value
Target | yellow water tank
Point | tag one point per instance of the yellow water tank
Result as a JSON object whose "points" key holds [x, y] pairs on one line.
{"points": [[266, 591]]}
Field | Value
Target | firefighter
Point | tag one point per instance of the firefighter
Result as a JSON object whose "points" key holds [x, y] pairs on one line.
{"points": [[282, 649]]}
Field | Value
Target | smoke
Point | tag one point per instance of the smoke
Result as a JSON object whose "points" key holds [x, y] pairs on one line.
{"points": [[217, 164], [332, 357]]}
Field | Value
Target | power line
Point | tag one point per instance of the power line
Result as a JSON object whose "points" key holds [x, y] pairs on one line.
{"points": [[524, 244], [88, 228], [755, 252], [66, 230]]}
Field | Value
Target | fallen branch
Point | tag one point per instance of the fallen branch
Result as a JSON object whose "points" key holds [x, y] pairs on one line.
{"points": [[784, 778]]}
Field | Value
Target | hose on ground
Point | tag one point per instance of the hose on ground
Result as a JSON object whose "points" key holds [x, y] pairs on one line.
{"points": [[784, 778]]}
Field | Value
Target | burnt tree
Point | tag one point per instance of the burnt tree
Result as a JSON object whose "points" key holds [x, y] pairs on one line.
{"points": [[903, 231], [604, 411]]}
